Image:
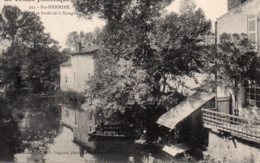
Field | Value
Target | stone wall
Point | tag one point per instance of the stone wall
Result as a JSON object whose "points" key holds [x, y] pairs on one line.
{"points": [[232, 151], [66, 82], [74, 77], [82, 70], [85, 124], [68, 117], [81, 122]]}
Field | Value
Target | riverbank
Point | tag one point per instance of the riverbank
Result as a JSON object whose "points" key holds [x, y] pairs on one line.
{"points": [[42, 133], [79, 121], [44, 138]]}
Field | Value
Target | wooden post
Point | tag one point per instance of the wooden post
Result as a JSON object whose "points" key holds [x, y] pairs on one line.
{"points": [[216, 65]]}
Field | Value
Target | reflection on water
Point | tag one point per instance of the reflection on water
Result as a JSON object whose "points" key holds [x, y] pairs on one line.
{"points": [[44, 137], [61, 150], [64, 150]]}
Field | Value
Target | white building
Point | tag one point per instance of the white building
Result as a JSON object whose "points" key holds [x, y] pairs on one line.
{"points": [[234, 131], [75, 73], [243, 16]]}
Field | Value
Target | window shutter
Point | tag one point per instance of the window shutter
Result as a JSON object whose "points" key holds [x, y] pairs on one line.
{"points": [[258, 33], [252, 28]]}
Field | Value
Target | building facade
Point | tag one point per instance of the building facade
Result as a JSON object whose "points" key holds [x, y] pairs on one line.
{"points": [[234, 130], [69, 117], [242, 17], [77, 71]]}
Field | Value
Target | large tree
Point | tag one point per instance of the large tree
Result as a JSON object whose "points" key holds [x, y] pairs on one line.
{"points": [[178, 42], [115, 10], [139, 33], [10, 20], [28, 42], [236, 61], [142, 48]]}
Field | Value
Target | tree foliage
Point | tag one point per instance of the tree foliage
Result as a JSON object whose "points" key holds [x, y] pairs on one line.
{"points": [[115, 10], [10, 20], [236, 61], [178, 42], [33, 59], [74, 38], [236, 57], [143, 49]]}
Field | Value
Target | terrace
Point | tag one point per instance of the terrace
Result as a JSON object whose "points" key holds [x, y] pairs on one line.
{"points": [[244, 128]]}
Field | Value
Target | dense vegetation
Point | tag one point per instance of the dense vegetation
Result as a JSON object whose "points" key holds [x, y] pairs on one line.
{"points": [[237, 62], [10, 137], [142, 51], [29, 65], [32, 60], [143, 56], [145, 50]]}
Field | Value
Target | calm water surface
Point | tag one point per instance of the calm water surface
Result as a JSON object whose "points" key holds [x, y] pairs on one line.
{"points": [[43, 138]]}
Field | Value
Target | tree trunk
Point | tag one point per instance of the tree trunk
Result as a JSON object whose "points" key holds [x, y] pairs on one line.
{"points": [[164, 84], [236, 98]]}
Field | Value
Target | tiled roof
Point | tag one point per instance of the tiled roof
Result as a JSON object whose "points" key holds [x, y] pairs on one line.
{"points": [[86, 50]]}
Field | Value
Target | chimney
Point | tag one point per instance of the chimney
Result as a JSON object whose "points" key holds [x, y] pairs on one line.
{"points": [[78, 47]]}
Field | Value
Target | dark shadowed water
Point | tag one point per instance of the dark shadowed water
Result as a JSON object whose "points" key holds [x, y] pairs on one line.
{"points": [[41, 137]]}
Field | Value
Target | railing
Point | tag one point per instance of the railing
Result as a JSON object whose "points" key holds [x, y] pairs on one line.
{"points": [[244, 128]]}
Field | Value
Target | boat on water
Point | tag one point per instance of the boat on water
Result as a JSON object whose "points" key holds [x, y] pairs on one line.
{"points": [[111, 132]]}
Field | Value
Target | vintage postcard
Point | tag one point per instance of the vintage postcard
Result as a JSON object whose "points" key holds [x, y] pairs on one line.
{"points": [[135, 81]]}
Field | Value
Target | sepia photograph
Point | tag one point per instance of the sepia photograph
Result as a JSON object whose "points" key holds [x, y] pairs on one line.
{"points": [[129, 81]]}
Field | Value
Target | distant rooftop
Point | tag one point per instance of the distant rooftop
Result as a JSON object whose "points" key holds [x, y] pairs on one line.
{"points": [[66, 64], [86, 49]]}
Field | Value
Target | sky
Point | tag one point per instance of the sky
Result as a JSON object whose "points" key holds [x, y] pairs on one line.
{"points": [[60, 25]]}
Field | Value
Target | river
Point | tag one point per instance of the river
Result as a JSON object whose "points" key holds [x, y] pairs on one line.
{"points": [[44, 137]]}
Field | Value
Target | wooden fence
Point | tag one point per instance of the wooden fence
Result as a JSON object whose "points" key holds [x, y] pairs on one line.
{"points": [[224, 105]]}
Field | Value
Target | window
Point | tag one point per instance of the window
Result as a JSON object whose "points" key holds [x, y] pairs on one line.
{"points": [[89, 75], [252, 94], [66, 79]]}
